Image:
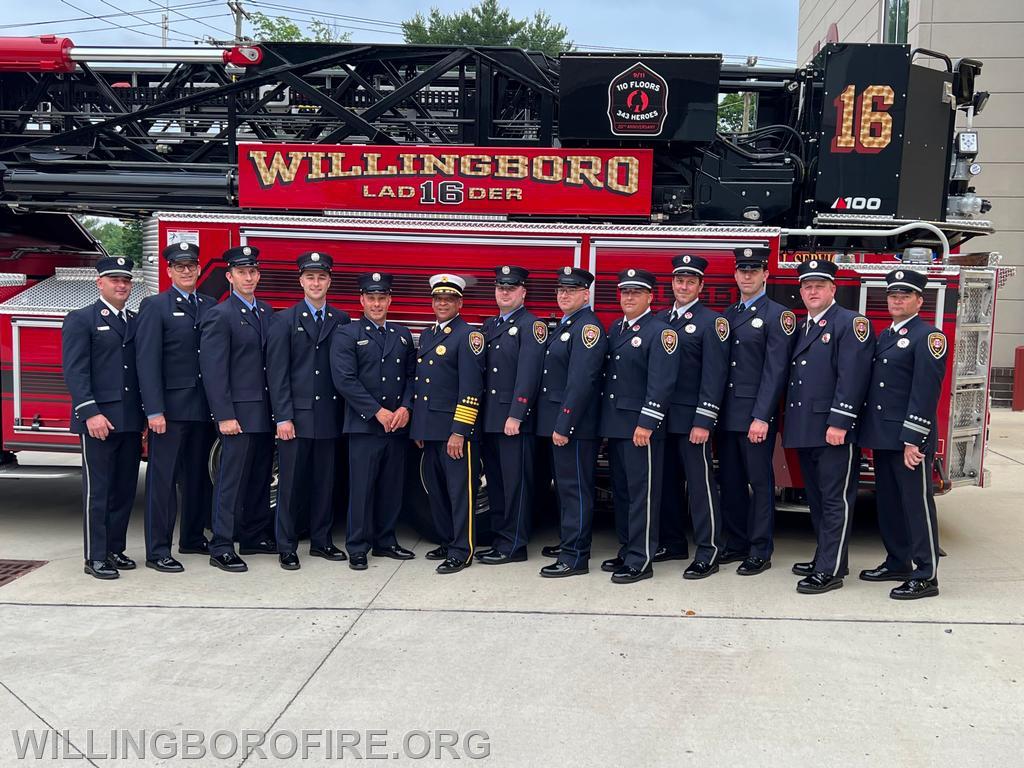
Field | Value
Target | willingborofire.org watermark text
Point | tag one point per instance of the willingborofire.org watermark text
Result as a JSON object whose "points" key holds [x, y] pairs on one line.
{"points": [[197, 744]]}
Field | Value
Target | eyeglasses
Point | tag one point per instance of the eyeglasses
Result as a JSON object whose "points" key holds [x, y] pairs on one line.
{"points": [[188, 267], [569, 290]]}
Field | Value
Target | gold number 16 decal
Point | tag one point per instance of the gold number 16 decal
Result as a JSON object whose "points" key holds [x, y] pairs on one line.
{"points": [[870, 113]]}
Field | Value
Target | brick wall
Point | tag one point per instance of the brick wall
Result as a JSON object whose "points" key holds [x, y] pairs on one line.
{"points": [[1002, 387]]}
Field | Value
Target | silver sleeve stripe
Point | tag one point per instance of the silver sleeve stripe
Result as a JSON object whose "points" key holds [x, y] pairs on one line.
{"points": [[652, 413], [844, 413], [917, 428], [87, 402], [706, 412]]}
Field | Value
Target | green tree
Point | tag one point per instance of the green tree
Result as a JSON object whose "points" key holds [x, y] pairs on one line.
{"points": [[118, 238], [730, 113], [281, 29], [488, 23]]}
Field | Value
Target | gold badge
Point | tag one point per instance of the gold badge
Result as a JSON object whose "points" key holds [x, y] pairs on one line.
{"points": [[590, 335], [476, 342], [722, 328], [937, 345], [861, 328], [447, 329], [669, 340], [788, 321], [540, 332], [440, 349]]}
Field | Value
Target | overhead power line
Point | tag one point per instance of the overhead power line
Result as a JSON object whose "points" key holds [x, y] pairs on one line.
{"points": [[100, 17]]}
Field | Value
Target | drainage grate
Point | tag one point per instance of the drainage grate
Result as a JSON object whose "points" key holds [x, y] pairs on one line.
{"points": [[12, 569]]}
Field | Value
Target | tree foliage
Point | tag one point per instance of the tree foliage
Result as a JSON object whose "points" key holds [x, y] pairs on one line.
{"points": [[281, 29], [488, 23], [119, 238], [730, 113]]}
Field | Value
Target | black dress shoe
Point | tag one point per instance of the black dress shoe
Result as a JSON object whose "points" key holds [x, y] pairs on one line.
{"points": [[101, 569], [700, 569], [558, 570], [229, 562], [552, 551], [121, 562], [395, 552], [261, 547], [883, 573], [494, 557], [731, 556], [357, 562], [289, 561], [453, 565], [196, 549], [803, 569], [914, 589], [819, 582], [753, 566], [330, 552], [630, 575], [663, 555], [165, 565], [612, 565], [477, 554], [438, 553]]}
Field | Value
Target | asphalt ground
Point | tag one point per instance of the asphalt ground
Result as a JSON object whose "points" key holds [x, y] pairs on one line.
{"points": [[497, 666]]}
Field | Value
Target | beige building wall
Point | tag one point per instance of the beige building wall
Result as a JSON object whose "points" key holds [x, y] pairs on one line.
{"points": [[993, 32]]}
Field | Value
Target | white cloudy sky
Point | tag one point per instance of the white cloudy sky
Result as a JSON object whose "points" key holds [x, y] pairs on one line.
{"points": [[766, 28]]}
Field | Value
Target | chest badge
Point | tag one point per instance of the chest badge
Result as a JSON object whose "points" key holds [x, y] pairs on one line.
{"points": [[441, 349], [822, 323], [104, 312], [447, 329], [636, 341], [757, 322], [688, 315], [635, 328], [564, 336], [903, 343], [903, 331], [690, 328], [826, 338], [513, 331]]}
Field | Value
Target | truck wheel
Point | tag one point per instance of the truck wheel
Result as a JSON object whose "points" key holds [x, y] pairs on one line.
{"points": [[416, 505], [213, 464]]}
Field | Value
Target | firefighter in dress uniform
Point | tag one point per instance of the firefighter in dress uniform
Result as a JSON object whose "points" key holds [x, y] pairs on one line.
{"points": [[639, 377], [692, 415], [568, 411], [514, 356], [232, 359], [373, 361], [306, 410], [167, 343], [762, 333], [899, 426], [448, 386], [828, 378], [98, 353]]}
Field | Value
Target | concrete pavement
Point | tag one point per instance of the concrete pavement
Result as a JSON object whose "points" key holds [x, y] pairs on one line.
{"points": [[565, 673]]}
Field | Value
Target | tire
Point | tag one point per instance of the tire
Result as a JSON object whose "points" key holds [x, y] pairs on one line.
{"points": [[213, 464], [416, 504]]}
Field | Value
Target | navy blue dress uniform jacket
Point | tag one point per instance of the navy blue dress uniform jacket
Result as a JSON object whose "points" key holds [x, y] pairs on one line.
{"points": [[904, 392], [299, 373], [372, 370], [639, 377], [569, 401], [828, 378], [760, 348], [232, 358], [167, 343], [98, 355], [703, 361], [515, 358], [448, 383]]}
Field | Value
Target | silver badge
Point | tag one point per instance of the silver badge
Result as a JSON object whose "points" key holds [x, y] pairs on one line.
{"points": [[505, 270], [375, 277], [183, 246], [757, 322], [564, 336], [899, 275], [120, 262], [314, 257], [903, 343], [247, 251], [812, 264], [566, 270], [826, 338], [513, 331], [748, 252], [631, 273], [686, 259], [636, 341], [691, 328]]}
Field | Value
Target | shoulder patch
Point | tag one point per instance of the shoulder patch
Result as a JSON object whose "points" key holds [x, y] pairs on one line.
{"points": [[476, 342], [722, 328], [937, 344], [669, 340], [788, 321], [861, 328], [540, 331], [590, 334]]}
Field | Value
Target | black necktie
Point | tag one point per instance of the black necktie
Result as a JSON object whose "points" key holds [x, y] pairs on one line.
{"points": [[121, 317], [192, 300], [319, 318], [674, 316]]}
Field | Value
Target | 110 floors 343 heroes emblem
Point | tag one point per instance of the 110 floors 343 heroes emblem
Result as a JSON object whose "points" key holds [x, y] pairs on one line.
{"points": [[637, 102]]}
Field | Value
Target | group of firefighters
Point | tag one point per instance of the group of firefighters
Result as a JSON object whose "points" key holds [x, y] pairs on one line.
{"points": [[660, 387]]}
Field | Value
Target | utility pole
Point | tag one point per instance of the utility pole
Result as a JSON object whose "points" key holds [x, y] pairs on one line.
{"points": [[164, 25], [751, 62], [235, 6]]}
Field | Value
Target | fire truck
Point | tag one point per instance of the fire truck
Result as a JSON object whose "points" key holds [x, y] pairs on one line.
{"points": [[418, 159]]}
